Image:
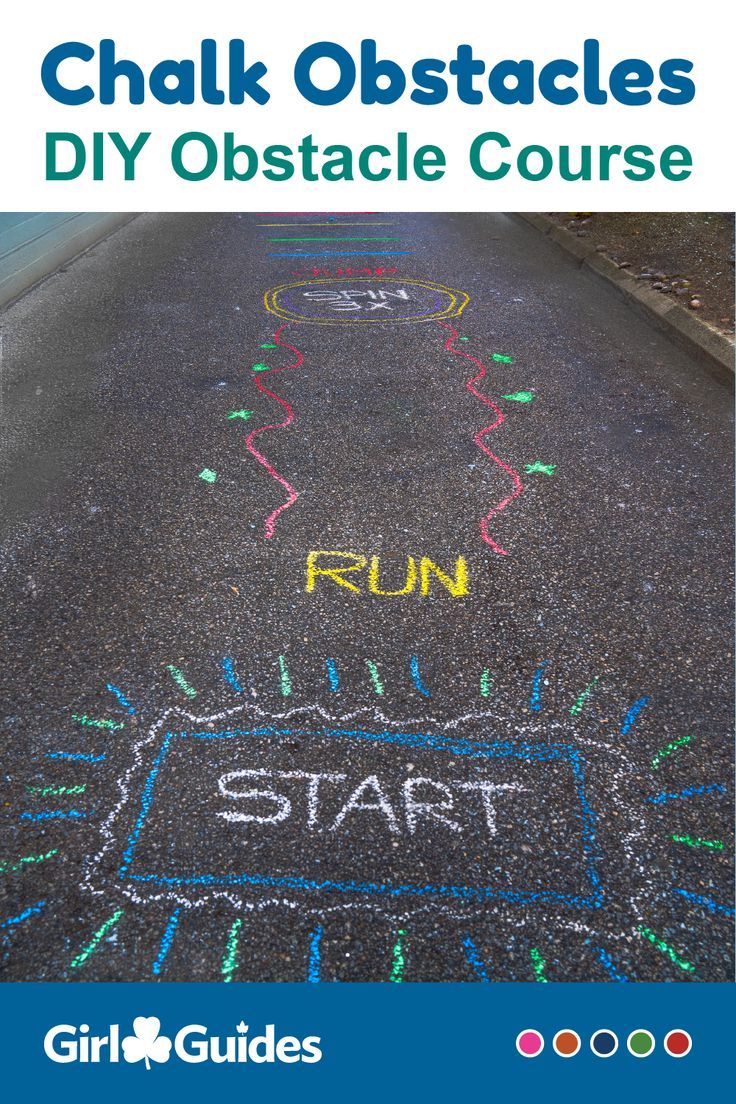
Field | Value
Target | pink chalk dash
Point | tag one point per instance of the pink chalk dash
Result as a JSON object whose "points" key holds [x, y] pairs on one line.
{"points": [[292, 493], [513, 475]]}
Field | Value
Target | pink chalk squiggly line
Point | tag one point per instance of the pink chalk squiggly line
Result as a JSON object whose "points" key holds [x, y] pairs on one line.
{"points": [[293, 494], [514, 475]]}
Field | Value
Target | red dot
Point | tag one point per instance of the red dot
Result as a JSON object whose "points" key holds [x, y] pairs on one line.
{"points": [[677, 1043]]}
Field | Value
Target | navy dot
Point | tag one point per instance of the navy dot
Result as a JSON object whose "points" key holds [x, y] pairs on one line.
{"points": [[603, 1043]]}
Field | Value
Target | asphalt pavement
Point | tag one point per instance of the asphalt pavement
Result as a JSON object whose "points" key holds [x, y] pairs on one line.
{"points": [[367, 608]]}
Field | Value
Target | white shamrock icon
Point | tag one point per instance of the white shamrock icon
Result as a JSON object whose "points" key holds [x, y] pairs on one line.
{"points": [[146, 1042]]}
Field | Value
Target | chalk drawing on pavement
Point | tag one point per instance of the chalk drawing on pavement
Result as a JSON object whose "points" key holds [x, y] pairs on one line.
{"points": [[317, 813], [364, 301]]}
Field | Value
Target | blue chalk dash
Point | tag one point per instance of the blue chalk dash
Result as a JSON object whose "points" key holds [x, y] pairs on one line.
{"points": [[77, 756], [166, 941], [349, 253], [691, 791], [475, 960], [607, 964], [705, 902], [228, 671], [54, 814], [121, 698], [535, 701], [332, 675], [417, 678], [26, 914], [632, 714], [315, 955]]}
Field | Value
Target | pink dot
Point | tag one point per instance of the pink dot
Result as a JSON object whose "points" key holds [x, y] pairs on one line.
{"points": [[529, 1043]]}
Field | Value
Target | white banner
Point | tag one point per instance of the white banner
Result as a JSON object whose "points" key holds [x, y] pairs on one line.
{"points": [[647, 126]]}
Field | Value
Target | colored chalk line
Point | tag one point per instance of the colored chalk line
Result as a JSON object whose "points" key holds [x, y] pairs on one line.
{"points": [[696, 841], [228, 670], [398, 957], [292, 493], [474, 959], [518, 486], [577, 708], [93, 722], [76, 756], [57, 791], [690, 791], [26, 860], [704, 902], [96, 939], [26, 914], [669, 749], [55, 814], [230, 958], [123, 701], [539, 965], [630, 718], [180, 680], [417, 677], [665, 949], [608, 965], [535, 701], [166, 940], [314, 969]]}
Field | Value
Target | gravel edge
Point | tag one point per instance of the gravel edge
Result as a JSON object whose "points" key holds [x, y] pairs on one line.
{"points": [[677, 321]]}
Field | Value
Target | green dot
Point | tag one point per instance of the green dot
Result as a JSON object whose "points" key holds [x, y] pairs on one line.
{"points": [[641, 1043]]}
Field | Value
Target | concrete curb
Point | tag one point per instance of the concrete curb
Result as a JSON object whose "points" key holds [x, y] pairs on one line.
{"points": [[31, 262], [676, 321]]}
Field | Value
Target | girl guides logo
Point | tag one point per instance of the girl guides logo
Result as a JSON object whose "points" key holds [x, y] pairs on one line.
{"points": [[193, 1043]]}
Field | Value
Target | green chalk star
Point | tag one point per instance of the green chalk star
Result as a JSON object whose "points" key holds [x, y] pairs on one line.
{"points": [[540, 468], [260, 368], [208, 475], [503, 358], [244, 414], [520, 396]]}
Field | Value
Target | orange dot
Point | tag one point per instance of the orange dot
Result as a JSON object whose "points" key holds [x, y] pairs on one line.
{"points": [[566, 1043]]}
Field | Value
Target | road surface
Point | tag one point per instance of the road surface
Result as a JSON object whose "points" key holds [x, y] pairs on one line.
{"points": [[377, 629]]}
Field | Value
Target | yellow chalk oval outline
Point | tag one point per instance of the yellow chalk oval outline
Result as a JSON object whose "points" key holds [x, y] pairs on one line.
{"points": [[458, 302]]}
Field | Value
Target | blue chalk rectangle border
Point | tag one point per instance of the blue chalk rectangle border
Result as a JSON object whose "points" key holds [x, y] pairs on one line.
{"points": [[559, 753]]}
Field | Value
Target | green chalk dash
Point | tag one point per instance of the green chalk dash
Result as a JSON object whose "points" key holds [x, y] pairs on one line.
{"points": [[285, 677], [244, 414], [696, 841], [538, 964], [268, 345], [539, 468], [180, 680], [520, 396], [464, 339], [375, 677], [96, 939], [577, 707], [668, 749], [94, 722], [485, 682], [208, 475], [398, 964], [230, 958], [12, 868], [260, 368], [502, 358], [56, 791], [666, 950]]}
